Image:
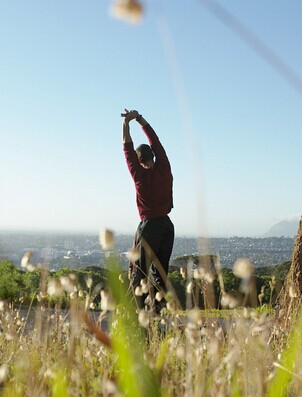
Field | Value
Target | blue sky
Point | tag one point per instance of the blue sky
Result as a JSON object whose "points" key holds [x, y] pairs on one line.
{"points": [[230, 123]]}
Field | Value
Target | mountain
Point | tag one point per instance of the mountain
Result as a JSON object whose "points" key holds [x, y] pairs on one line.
{"points": [[285, 228]]}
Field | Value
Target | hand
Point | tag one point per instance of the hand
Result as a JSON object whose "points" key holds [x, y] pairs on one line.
{"points": [[129, 115]]}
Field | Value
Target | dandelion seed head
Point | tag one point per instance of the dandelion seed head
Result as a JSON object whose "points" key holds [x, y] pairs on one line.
{"points": [[67, 284], [272, 283], [171, 306], [127, 10], [213, 347], [159, 296], [180, 352], [148, 300], [292, 292], [144, 285], [138, 291], [109, 388], [196, 274], [26, 259], [143, 319], [243, 268], [4, 371], [143, 282], [183, 272], [31, 268], [54, 287], [194, 316], [107, 239], [72, 276], [88, 280], [133, 254], [245, 312], [190, 287], [48, 374], [8, 336], [228, 300], [209, 277], [107, 303]]}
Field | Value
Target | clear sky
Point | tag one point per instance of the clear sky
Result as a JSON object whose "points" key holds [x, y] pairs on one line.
{"points": [[230, 122]]}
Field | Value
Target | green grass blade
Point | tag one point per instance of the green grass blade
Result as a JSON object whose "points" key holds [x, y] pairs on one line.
{"points": [[135, 377], [278, 386]]}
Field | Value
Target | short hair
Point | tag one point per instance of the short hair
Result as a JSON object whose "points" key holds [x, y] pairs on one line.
{"points": [[144, 153]]}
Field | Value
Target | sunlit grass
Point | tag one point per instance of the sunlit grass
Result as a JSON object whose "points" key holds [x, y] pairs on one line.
{"points": [[229, 352]]}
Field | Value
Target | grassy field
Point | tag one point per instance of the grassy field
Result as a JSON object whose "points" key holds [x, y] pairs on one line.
{"points": [[232, 352]]}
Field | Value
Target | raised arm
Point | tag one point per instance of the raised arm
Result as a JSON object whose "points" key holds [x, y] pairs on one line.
{"points": [[128, 116], [154, 142]]}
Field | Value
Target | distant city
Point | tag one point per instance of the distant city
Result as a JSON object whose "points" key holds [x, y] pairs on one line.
{"points": [[80, 250]]}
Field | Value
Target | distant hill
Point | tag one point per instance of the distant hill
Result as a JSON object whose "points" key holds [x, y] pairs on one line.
{"points": [[285, 228]]}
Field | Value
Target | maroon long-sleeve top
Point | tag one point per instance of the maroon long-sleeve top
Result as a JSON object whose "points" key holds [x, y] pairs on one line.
{"points": [[154, 197]]}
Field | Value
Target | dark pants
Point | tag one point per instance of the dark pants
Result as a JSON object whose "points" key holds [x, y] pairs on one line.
{"points": [[156, 234]]}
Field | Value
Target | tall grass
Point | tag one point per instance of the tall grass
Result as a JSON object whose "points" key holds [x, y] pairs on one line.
{"points": [[191, 353]]}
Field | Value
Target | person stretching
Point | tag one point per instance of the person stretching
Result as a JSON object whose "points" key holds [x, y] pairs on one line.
{"points": [[153, 181]]}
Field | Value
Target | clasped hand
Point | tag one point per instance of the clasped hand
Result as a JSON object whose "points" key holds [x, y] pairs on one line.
{"points": [[130, 115]]}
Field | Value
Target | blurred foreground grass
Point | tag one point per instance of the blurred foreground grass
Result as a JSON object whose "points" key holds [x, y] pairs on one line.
{"points": [[233, 352]]}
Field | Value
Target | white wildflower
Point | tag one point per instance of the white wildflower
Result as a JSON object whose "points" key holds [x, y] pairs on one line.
{"points": [[106, 239], [243, 268]]}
